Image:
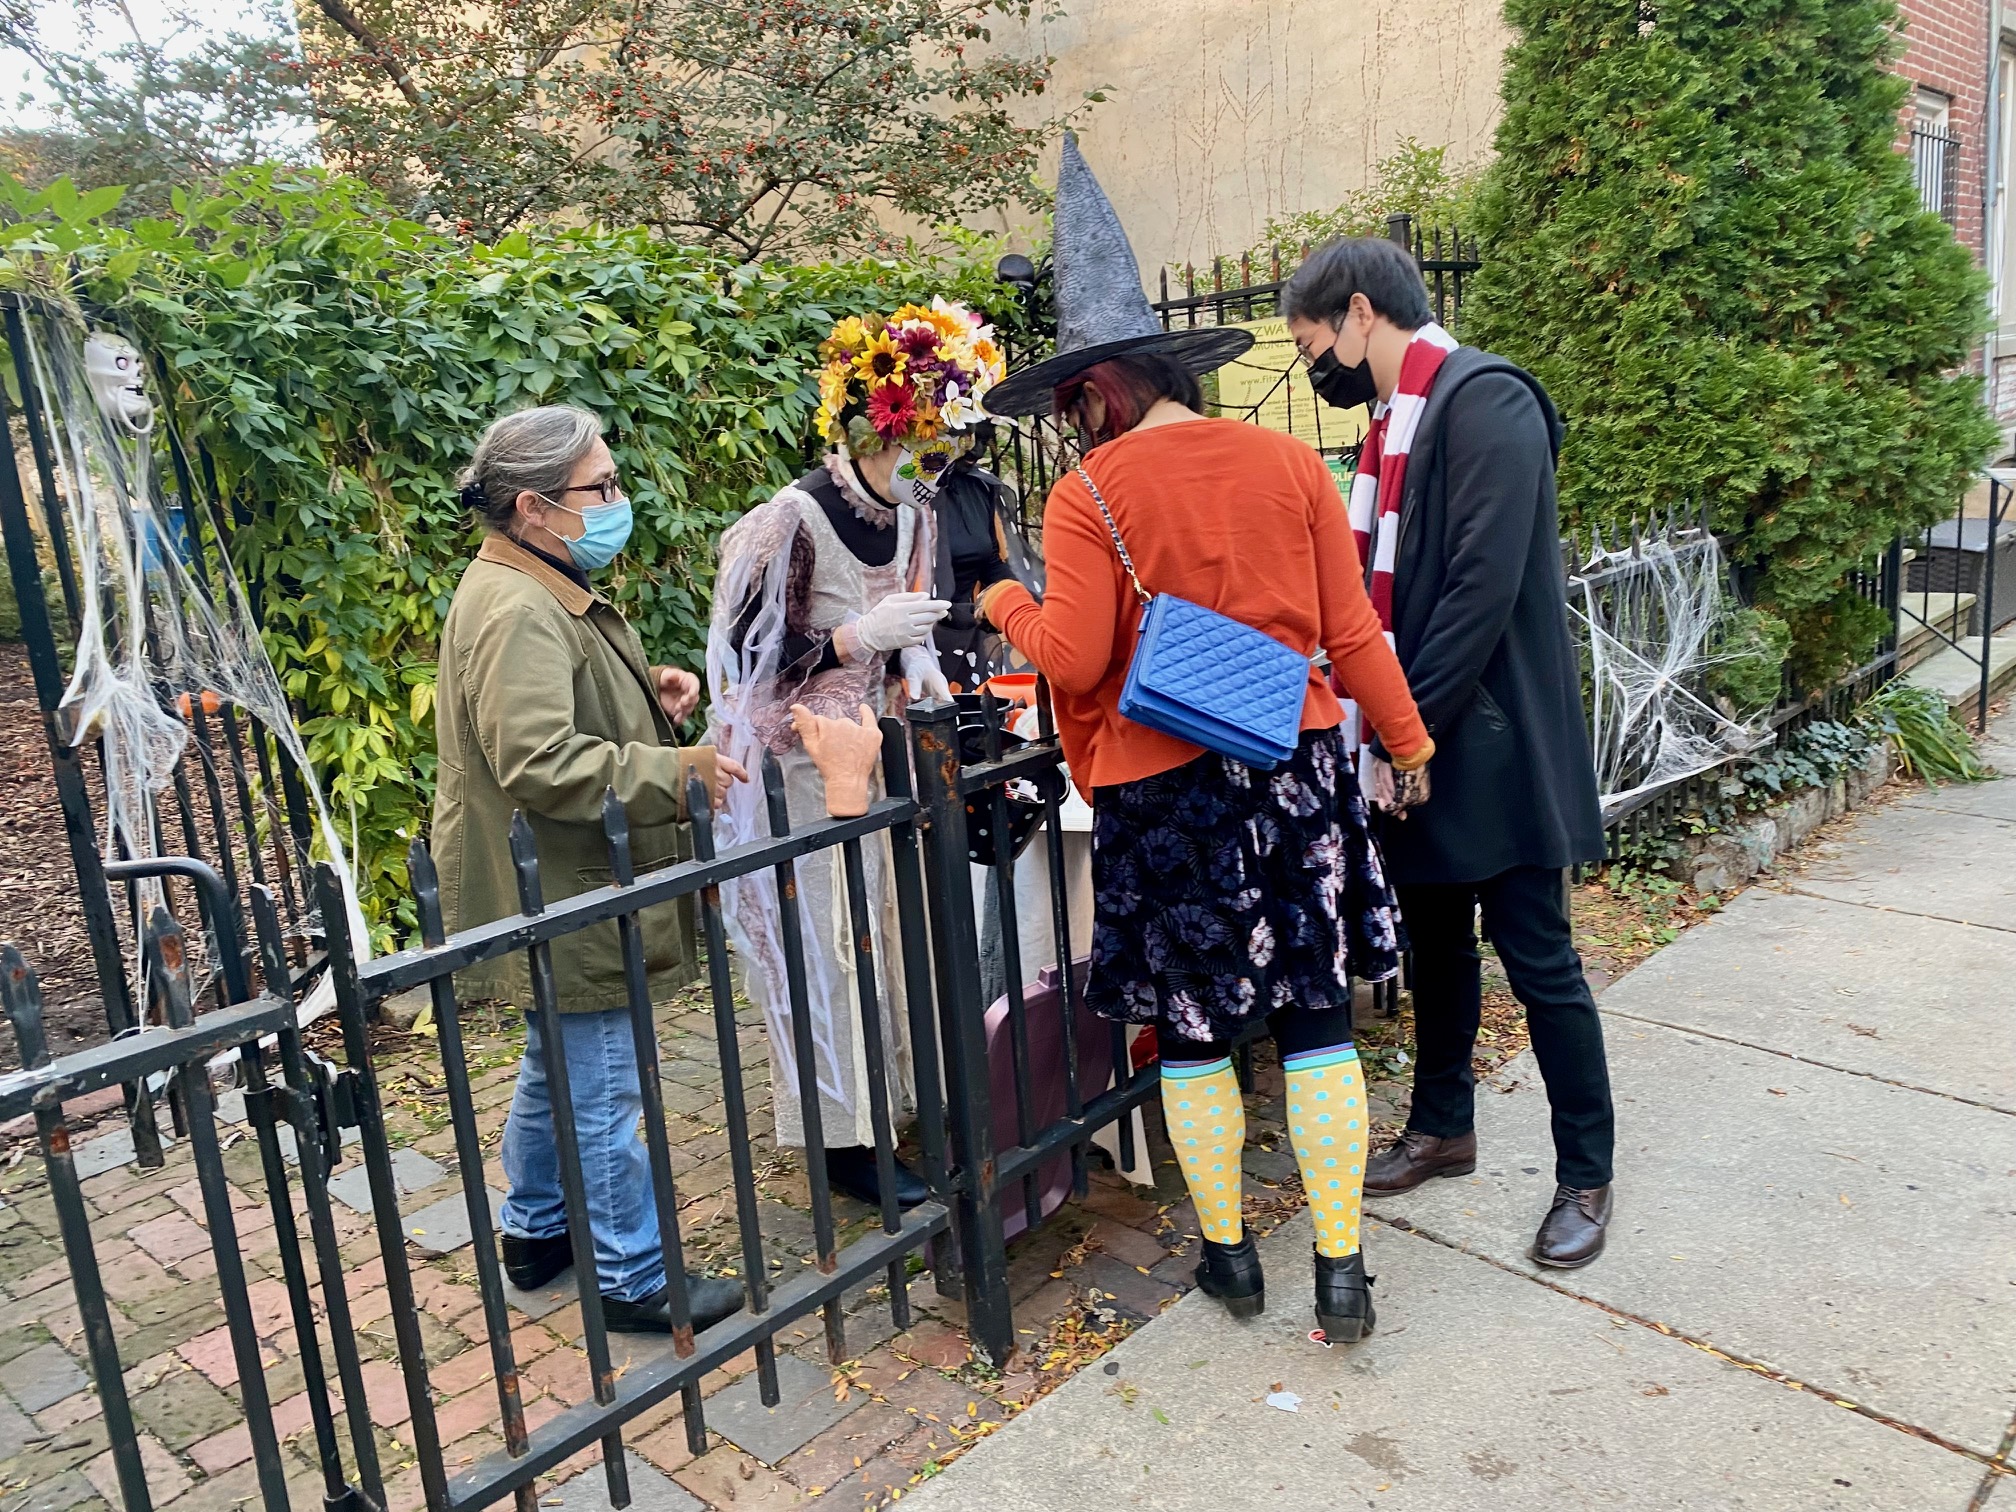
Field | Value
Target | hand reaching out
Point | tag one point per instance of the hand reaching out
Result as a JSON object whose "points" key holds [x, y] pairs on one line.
{"points": [[727, 770], [922, 675], [678, 693], [845, 754]]}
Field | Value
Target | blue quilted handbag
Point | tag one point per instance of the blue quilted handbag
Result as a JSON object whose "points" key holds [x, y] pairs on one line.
{"points": [[1205, 678]]}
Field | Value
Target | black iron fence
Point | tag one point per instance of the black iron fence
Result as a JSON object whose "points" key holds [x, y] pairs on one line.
{"points": [[182, 1046], [1007, 1094], [1949, 611]]}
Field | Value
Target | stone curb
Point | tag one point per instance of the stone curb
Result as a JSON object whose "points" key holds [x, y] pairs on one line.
{"points": [[1721, 862]]}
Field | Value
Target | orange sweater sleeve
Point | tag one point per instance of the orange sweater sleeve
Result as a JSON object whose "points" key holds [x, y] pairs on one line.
{"points": [[1069, 636], [1364, 664]]}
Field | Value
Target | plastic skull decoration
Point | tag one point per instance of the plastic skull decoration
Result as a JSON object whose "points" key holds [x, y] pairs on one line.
{"points": [[114, 369]]}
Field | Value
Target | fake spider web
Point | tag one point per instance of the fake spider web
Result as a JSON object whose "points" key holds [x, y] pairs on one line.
{"points": [[1651, 618], [158, 639]]}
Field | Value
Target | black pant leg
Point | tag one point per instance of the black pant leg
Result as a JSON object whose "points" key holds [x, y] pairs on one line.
{"points": [[1441, 927], [1297, 1030], [1172, 1047], [1526, 917]]}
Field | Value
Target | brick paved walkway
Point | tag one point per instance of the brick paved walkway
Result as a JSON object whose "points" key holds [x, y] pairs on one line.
{"points": [[852, 1436]]}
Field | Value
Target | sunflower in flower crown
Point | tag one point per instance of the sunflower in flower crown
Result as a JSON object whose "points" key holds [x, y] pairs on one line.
{"points": [[912, 379]]}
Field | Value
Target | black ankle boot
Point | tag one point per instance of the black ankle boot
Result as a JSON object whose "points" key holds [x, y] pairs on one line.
{"points": [[1344, 1298], [1231, 1273]]}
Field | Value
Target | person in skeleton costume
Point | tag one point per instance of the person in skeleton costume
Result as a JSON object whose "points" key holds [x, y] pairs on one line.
{"points": [[824, 600]]}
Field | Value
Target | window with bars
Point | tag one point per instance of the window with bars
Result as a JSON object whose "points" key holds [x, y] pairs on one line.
{"points": [[1935, 155], [1935, 168]]}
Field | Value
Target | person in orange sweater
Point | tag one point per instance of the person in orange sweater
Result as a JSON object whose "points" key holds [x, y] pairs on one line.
{"points": [[1222, 893]]}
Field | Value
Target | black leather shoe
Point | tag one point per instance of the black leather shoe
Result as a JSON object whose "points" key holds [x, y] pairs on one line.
{"points": [[531, 1263], [711, 1299], [1231, 1273], [1344, 1298], [851, 1169], [1571, 1235]]}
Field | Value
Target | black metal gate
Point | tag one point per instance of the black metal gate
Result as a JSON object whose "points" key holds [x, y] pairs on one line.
{"points": [[182, 1047]]}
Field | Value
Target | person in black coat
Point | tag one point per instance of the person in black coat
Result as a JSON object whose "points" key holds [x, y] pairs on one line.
{"points": [[1480, 622]]}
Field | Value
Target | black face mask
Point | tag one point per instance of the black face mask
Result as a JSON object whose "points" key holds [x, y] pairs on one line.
{"points": [[1344, 387]]}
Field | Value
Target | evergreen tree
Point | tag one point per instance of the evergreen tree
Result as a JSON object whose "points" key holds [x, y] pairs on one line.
{"points": [[1700, 236]]}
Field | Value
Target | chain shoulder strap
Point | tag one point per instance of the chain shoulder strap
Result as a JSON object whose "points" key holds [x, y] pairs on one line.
{"points": [[1114, 531]]}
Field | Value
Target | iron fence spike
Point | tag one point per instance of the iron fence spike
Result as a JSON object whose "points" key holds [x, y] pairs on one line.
{"points": [[616, 827], [699, 807], [773, 795], [426, 883], [22, 994], [525, 862]]}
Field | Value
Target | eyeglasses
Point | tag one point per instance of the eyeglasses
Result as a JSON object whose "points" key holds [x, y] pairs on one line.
{"points": [[610, 489]]}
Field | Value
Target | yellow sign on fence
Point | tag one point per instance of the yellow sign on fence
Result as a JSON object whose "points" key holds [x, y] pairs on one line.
{"points": [[1270, 387]]}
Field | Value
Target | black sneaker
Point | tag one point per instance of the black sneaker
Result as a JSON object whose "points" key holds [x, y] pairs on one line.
{"points": [[711, 1298], [531, 1263]]}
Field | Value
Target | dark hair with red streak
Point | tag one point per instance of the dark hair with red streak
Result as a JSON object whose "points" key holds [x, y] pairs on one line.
{"points": [[1130, 387]]}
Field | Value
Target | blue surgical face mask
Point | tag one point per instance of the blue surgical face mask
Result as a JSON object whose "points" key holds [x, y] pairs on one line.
{"points": [[607, 530]]}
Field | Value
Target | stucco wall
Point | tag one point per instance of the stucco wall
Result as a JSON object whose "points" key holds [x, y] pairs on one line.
{"points": [[1220, 113]]}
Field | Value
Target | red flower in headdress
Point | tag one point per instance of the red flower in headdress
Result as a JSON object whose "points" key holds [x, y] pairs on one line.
{"points": [[892, 409], [917, 340]]}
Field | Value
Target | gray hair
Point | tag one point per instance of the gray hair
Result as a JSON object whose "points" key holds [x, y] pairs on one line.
{"points": [[1383, 271], [532, 449]]}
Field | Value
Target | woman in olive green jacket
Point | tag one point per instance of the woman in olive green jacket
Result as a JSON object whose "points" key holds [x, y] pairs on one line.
{"points": [[545, 701]]}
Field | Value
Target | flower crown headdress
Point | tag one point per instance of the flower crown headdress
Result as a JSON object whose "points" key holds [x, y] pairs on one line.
{"points": [[913, 378]]}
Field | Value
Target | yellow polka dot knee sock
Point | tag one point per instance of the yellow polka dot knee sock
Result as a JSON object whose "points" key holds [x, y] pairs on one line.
{"points": [[1327, 1121], [1207, 1126]]}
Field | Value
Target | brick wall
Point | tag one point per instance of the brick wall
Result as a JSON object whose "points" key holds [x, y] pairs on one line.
{"points": [[1946, 49]]}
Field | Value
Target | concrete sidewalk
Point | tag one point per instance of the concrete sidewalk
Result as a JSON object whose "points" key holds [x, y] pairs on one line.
{"points": [[1810, 1296]]}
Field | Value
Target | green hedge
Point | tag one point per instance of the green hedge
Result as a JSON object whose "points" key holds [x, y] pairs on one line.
{"points": [[1699, 234], [338, 363]]}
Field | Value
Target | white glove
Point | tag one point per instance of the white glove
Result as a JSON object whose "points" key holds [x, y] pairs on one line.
{"points": [[900, 621], [923, 676]]}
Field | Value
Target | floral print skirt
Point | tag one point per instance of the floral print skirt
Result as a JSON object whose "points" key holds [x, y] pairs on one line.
{"points": [[1221, 892]]}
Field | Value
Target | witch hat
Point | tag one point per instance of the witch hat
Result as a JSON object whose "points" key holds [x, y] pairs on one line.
{"points": [[1101, 309]]}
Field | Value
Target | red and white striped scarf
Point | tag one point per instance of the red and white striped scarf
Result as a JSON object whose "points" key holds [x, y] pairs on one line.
{"points": [[1375, 501]]}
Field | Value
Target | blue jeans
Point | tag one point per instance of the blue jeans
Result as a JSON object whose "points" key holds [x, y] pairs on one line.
{"points": [[616, 1171]]}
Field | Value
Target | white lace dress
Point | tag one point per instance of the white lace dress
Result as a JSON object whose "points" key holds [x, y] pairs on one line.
{"points": [[784, 571]]}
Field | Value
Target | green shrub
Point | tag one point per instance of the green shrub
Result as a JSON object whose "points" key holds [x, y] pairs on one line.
{"points": [[1930, 743], [1699, 235], [338, 364], [1750, 647]]}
